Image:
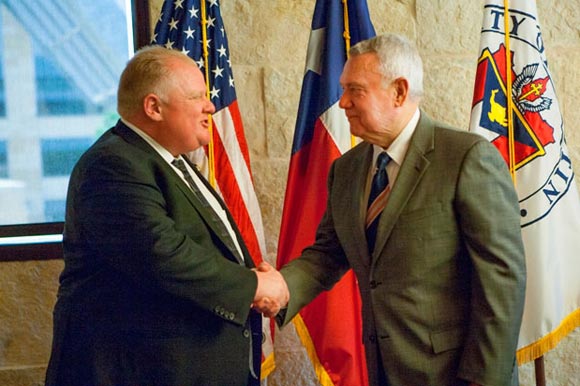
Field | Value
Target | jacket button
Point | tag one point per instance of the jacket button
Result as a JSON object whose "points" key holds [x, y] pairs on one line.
{"points": [[372, 338], [246, 333], [373, 284]]}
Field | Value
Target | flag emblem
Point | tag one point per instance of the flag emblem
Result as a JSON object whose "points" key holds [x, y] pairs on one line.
{"points": [[531, 98], [535, 125]]}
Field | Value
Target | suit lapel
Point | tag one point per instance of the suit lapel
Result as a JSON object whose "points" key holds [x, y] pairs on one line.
{"points": [[209, 216], [412, 169], [214, 221]]}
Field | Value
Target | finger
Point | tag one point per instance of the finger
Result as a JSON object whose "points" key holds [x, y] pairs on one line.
{"points": [[262, 304], [264, 267]]}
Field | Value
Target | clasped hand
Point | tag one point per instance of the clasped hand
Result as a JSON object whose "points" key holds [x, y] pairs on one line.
{"points": [[272, 293]]}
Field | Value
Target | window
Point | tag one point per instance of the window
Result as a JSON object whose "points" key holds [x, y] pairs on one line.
{"points": [[53, 210], [3, 160], [59, 67], [59, 156]]}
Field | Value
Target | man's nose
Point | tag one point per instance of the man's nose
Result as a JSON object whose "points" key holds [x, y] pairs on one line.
{"points": [[344, 101]]}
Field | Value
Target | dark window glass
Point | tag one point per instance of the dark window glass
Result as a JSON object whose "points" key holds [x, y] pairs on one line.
{"points": [[56, 93], [60, 155], [54, 210], [3, 160]]}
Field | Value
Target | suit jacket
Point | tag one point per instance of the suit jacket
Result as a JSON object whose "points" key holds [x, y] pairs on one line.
{"points": [[443, 291], [153, 291]]}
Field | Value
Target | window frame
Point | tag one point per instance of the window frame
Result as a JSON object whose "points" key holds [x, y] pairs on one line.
{"points": [[53, 250]]}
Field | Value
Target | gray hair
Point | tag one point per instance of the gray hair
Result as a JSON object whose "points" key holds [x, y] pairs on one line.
{"points": [[147, 72], [398, 57]]}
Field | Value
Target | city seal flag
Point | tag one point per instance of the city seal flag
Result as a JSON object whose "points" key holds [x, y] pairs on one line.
{"points": [[515, 107]]}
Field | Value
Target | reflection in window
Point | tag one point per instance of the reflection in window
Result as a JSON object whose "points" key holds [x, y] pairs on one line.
{"points": [[54, 210], [60, 63], [59, 156], [56, 93], [2, 93], [3, 160]]}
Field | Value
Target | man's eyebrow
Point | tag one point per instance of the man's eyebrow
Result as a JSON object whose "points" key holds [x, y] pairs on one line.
{"points": [[196, 94], [351, 84]]}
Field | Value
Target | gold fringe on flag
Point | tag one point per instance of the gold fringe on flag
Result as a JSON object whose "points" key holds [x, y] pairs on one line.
{"points": [[549, 341], [304, 335]]}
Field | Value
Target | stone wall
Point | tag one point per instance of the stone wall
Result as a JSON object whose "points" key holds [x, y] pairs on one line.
{"points": [[268, 41]]}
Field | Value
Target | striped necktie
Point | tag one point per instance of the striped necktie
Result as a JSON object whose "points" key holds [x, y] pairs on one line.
{"points": [[180, 164], [377, 199]]}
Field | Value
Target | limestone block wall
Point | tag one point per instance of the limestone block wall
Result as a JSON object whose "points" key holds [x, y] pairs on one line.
{"points": [[268, 41]]}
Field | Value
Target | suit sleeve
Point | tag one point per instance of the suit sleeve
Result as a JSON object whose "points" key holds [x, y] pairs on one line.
{"points": [[142, 226], [488, 211]]}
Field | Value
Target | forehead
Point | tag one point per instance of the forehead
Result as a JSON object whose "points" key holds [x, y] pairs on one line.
{"points": [[187, 75], [361, 69]]}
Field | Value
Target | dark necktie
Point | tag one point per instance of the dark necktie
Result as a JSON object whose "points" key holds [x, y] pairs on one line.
{"points": [[179, 164], [223, 232], [255, 320], [377, 199]]}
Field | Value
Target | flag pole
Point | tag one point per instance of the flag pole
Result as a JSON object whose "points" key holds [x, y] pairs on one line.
{"points": [[540, 371], [210, 156], [508, 93], [346, 35], [538, 362]]}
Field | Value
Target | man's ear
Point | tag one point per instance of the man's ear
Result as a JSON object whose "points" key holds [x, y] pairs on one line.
{"points": [[401, 86], [152, 107]]}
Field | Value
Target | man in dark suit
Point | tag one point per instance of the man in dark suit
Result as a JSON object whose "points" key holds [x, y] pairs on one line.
{"points": [[158, 284], [443, 286]]}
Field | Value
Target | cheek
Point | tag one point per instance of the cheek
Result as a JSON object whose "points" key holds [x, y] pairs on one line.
{"points": [[378, 112]]}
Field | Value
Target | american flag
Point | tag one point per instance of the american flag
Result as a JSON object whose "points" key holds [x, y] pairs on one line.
{"points": [[196, 28]]}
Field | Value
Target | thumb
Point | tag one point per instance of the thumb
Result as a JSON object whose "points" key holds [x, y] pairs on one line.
{"points": [[264, 267]]}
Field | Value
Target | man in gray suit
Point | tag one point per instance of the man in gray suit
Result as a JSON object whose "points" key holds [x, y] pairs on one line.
{"points": [[443, 286], [158, 283]]}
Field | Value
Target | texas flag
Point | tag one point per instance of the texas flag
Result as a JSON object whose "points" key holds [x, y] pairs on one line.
{"points": [[330, 327]]}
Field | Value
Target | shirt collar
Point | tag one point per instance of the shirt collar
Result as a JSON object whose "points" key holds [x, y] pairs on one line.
{"points": [[398, 149], [163, 152]]}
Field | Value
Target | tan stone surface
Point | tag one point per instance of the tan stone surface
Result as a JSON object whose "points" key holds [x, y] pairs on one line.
{"points": [[22, 376], [27, 296]]}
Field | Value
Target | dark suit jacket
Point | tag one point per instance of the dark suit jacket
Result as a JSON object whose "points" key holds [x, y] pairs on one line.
{"points": [[443, 292], [152, 292]]}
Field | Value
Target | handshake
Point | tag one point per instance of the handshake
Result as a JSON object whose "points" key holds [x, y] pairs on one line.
{"points": [[272, 293]]}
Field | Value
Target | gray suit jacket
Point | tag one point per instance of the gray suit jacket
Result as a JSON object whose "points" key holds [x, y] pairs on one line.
{"points": [[443, 292], [153, 291]]}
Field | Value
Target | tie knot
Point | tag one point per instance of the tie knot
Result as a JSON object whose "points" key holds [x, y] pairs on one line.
{"points": [[179, 164], [382, 160]]}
